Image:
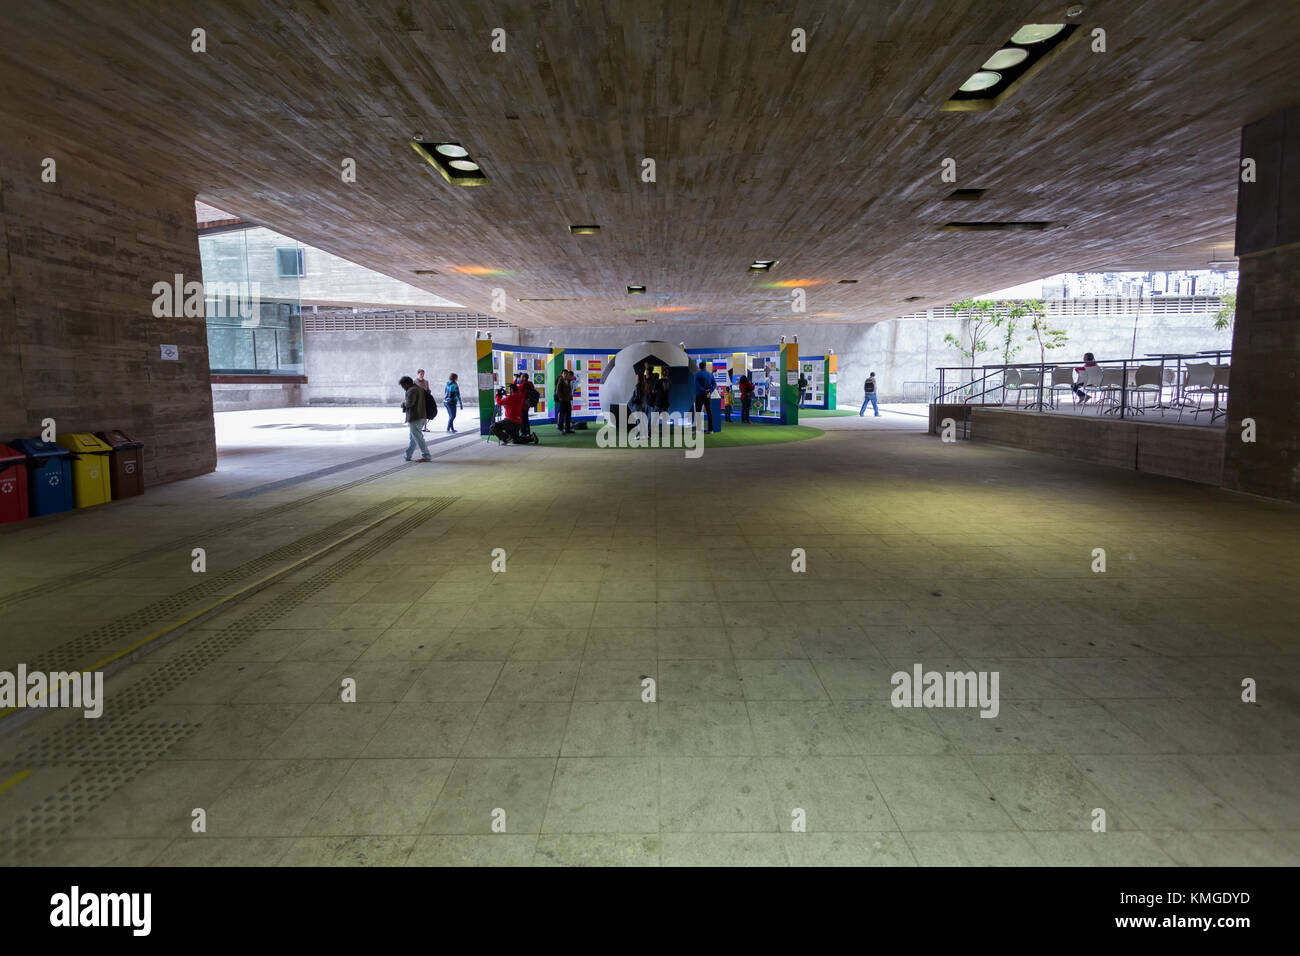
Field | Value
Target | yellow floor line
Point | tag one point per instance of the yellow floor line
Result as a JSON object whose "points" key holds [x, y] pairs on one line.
{"points": [[17, 778], [118, 655]]}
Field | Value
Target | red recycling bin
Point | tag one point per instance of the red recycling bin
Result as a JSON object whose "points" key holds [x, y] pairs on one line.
{"points": [[13, 484]]}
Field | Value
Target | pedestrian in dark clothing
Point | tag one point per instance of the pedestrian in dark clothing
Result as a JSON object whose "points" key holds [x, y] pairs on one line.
{"points": [[869, 391], [564, 402], [416, 407], [746, 397], [451, 399], [705, 383]]}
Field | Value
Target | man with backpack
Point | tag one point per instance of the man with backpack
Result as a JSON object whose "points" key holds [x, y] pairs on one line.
{"points": [[416, 407], [869, 390]]}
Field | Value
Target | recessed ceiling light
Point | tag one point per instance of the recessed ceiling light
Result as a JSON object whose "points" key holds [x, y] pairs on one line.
{"points": [[913, 298], [988, 226], [965, 194], [762, 265], [636, 290], [426, 272], [584, 230], [549, 300], [1074, 10], [1006, 57], [980, 81], [458, 172], [1036, 32], [848, 281]]}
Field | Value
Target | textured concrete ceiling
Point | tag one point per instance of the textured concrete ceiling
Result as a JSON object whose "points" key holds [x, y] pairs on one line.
{"points": [[829, 160]]}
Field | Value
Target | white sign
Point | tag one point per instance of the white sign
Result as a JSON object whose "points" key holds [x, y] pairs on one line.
{"points": [[792, 378], [170, 353], [485, 381]]}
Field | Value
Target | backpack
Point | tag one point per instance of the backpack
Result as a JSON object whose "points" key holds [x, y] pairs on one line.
{"points": [[430, 406], [532, 397]]}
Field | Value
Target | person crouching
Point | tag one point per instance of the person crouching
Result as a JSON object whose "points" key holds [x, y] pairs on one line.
{"points": [[512, 401]]}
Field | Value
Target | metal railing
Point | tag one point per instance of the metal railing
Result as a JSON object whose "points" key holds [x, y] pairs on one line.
{"points": [[975, 385]]}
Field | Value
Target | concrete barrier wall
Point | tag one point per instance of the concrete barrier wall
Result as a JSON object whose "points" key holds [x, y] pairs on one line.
{"points": [[1176, 451]]}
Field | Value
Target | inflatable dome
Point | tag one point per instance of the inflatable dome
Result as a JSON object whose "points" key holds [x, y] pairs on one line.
{"points": [[619, 383]]}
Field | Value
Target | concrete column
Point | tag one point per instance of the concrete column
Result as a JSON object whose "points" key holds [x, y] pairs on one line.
{"points": [[1265, 382]]}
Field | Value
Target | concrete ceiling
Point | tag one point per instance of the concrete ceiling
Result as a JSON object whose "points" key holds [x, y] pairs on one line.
{"points": [[829, 160]]}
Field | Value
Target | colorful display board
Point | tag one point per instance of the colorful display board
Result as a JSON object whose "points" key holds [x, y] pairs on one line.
{"points": [[820, 371], [773, 369]]}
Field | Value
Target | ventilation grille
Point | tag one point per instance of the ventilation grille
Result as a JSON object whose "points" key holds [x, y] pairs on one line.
{"points": [[1115, 305], [345, 320]]}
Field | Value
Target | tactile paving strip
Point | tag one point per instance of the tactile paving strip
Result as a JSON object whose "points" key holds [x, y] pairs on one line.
{"points": [[172, 673], [68, 580], [81, 650], [111, 755]]}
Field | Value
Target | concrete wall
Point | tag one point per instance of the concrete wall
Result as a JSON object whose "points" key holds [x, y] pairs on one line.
{"points": [[908, 350], [1192, 453], [362, 368], [78, 340]]}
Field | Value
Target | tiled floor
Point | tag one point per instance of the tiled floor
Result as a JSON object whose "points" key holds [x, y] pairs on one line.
{"points": [[649, 682]]}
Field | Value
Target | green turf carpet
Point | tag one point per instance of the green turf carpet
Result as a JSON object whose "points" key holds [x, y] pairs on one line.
{"points": [[733, 435], [824, 412]]}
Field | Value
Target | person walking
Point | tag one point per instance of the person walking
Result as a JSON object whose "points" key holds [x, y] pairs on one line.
{"points": [[869, 393], [803, 388], [746, 397], [451, 399], [705, 383], [564, 402], [416, 408], [424, 383]]}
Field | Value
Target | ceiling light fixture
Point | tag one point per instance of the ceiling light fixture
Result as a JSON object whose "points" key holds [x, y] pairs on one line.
{"points": [[983, 80], [452, 161], [990, 226], [1005, 58], [636, 290], [1036, 32], [1015, 61], [584, 230], [762, 265], [848, 281]]}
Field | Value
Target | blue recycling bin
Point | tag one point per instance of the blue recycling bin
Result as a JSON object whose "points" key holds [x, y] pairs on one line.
{"points": [[49, 475]]}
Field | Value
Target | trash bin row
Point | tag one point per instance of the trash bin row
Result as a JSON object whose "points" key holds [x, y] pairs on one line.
{"points": [[79, 470]]}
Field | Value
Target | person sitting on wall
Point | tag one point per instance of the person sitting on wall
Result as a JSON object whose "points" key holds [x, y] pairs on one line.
{"points": [[1088, 362], [511, 400]]}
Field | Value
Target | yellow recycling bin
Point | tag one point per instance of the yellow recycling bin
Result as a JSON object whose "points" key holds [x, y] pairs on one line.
{"points": [[91, 477]]}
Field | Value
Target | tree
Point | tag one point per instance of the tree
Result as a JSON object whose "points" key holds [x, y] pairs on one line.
{"points": [[1227, 313], [981, 317], [1047, 337], [1012, 313]]}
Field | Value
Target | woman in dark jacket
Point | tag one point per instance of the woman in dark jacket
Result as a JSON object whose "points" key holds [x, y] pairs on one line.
{"points": [[416, 408], [746, 397]]}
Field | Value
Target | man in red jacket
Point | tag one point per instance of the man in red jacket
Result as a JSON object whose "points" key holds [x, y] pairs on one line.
{"points": [[507, 429]]}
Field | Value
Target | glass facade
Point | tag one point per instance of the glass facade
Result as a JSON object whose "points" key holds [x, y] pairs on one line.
{"points": [[254, 313]]}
